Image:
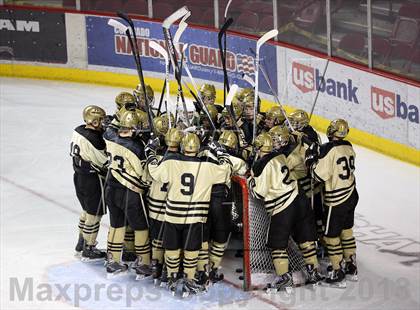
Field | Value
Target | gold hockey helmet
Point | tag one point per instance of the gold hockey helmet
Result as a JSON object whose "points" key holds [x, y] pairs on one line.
{"points": [[124, 98], [280, 135], [161, 124], [338, 128], [138, 92], [264, 143], [124, 109], [299, 119], [212, 111], [276, 115], [173, 137], [229, 139], [93, 113], [208, 90], [244, 93], [129, 120], [190, 143], [143, 119]]}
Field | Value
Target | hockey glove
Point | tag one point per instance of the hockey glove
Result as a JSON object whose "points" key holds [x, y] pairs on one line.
{"points": [[151, 147], [312, 155]]}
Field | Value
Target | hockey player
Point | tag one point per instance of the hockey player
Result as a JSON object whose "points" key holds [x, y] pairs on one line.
{"points": [[87, 150], [123, 196], [335, 166], [273, 117], [189, 189], [299, 120], [221, 207], [139, 96], [306, 136], [122, 100], [208, 95], [156, 200], [290, 213]]}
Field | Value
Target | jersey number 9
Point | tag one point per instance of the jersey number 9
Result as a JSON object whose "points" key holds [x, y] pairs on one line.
{"points": [[187, 180]]}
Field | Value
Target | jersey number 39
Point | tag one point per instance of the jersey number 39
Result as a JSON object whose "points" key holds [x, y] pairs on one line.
{"points": [[347, 165]]}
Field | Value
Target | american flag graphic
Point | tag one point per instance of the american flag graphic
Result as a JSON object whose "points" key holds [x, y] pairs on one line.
{"points": [[245, 64]]}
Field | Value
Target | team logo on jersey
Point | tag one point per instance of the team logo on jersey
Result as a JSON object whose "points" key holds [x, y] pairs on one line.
{"points": [[388, 105], [308, 79]]}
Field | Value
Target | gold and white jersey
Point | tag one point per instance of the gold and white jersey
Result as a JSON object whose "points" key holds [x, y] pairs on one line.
{"points": [[87, 148], [127, 162], [156, 196], [335, 168], [273, 183], [190, 180]]}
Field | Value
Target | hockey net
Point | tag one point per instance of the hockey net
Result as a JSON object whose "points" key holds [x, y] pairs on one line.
{"points": [[258, 268]]}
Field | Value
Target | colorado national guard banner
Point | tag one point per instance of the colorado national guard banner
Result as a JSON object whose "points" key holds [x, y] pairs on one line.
{"points": [[109, 48], [32, 36]]}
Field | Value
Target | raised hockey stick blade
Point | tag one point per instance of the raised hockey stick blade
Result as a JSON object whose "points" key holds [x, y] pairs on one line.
{"points": [[174, 17], [231, 94], [227, 8], [267, 36], [117, 25]]}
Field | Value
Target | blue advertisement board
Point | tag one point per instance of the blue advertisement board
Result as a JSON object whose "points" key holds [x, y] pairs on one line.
{"points": [[108, 47]]}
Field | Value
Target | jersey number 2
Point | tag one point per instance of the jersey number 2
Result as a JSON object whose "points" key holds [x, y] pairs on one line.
{"points": [[187, 180]]}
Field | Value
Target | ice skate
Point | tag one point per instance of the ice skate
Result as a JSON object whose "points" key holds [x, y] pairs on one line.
{"points": [[164, 280], [185, 287], [202, 278], [79, 246], [281, 283], [143, 271], [156, 269], [313, 276], [128, 257], [115, 269], [215, 275], [91, 254], [335, 278], [351, 269]]}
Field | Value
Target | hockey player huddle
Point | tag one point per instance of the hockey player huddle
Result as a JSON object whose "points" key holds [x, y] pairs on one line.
{"points": [[167, 188]]}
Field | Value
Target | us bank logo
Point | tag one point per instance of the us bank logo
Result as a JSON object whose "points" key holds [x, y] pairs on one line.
{"points": [[388, 105], [308, 79]]}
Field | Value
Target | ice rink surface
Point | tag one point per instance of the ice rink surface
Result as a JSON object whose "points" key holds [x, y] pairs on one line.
{"points": [[39, 215]]}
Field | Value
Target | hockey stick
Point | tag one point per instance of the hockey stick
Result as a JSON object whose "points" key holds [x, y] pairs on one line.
{"points": [[222, 51], [158, 48], [197, 95], [273, 92], [267, 36], [134, 48], [181, 28], [319, 88], [248, 79], [180, 13]]}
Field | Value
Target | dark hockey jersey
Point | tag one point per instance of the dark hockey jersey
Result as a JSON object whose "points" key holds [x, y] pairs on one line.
{"points": [[87, 149]]}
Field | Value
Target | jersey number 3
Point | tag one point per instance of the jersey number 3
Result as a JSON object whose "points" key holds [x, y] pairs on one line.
{"points": [[347, 165], [187, 180]]}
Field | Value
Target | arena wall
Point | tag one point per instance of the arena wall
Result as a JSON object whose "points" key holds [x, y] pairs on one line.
{"points": [[383, 112]]}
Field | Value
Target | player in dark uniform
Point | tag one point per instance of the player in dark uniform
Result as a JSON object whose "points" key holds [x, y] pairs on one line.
{"points": [[123, 195], [87, 149], [290, 213], [335, 166]]}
